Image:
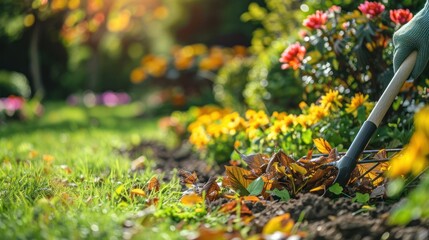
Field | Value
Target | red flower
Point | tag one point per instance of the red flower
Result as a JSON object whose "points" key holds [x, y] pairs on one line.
{"points": [[400, 16], [293, 56], [316, 21], [371, 9]]}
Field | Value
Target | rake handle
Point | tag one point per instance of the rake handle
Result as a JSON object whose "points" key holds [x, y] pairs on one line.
{"points": [[348, 163]]}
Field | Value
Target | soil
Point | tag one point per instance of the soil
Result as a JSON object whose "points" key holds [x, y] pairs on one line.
{"points": [[324, 218]]}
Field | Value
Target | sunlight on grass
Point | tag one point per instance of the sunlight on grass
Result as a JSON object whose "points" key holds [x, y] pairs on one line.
{"points": [[59, 176]]}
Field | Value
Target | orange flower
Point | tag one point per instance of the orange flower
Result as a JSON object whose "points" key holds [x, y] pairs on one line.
{"points": [[400, 16], [293, 56], [316, 21], [371, 9]]}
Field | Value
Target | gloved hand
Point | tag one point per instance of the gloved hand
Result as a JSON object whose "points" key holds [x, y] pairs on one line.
{"points": [[414, 35]]}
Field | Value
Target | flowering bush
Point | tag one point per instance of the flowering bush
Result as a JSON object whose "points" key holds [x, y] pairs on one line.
{"points": [[195, 57], [189, 70], [215, 131], [17, 107], [11, 105], [349, 51]]}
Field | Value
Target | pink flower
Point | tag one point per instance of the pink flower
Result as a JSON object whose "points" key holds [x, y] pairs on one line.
{"points": [[400, 16], [316, 21], [11, 104], [371, 9], [293, 56]]}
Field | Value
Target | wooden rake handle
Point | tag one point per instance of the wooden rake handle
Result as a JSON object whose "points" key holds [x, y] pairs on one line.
{"points": [[348, 163], [392, 90]]}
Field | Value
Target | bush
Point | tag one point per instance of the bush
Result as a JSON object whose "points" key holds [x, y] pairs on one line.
{"points": [[13, 83]]}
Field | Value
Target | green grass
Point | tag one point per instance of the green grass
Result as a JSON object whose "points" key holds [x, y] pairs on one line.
{"points": [[62, 176]]}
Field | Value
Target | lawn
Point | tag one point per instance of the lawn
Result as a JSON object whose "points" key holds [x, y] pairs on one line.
{"points": [[63, 176]]}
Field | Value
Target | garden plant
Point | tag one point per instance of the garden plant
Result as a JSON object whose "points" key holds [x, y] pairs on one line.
{"points": [[158, 119]]}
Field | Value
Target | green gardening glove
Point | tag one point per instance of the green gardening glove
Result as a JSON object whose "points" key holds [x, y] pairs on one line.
{"points": [[413, 36]]}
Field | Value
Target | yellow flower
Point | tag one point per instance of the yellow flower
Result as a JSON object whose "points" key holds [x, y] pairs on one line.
{"points": [[331, 100], [232, 122], [199, 138], [154, 65], [413, 159], [415, 156], [358, 100], [316, 113], [137, 75], [259, 119]]}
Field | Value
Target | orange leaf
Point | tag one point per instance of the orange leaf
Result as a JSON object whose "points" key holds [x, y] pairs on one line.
{"points": [[283, 223], [229, 207], [138, 191], [251, 198], [208, 234], [153, 184], [191, 199], [322, 145], [319, 188]]}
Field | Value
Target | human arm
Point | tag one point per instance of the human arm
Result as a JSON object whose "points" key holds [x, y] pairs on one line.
{"points": [[414, 35]]}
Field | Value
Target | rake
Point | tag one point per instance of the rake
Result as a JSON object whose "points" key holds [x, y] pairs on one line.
{"points": [[349, 160]]}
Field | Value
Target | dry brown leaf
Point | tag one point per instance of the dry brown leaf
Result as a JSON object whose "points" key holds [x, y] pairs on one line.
{"points": [[187, 178], [237, 179], [322, 145], [153, 185], [254, 161], [212, 189]]}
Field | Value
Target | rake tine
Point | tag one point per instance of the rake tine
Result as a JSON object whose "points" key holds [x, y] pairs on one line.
{"points": [[367, 171]]}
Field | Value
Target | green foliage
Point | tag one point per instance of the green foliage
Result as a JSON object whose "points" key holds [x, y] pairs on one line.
{"points": [[269, 87], [336, 189], [255, 188], [361, 198], [231, 81], [13, 83], [415, 206], [282, 194]]}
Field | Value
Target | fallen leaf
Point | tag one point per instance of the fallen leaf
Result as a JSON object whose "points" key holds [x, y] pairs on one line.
{"points": [[191, 199], [138, 163], [298, 168], [205, 233], [187, 178], [283, 223], [153, 185], [251, 198], [322, 145], [254, 161], [66, 168], [137, 192], [211, 189], [236, 177]]}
